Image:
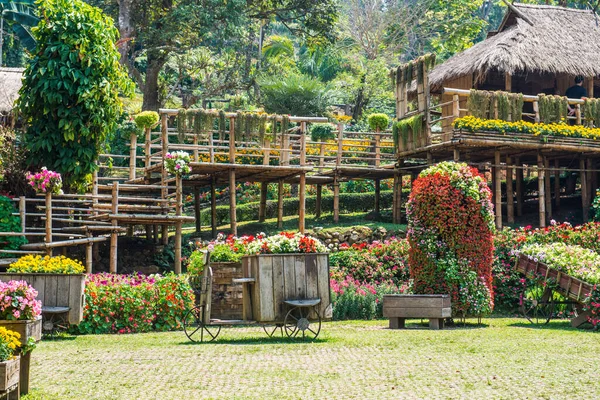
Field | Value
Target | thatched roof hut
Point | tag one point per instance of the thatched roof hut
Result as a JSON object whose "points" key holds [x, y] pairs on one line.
{"points": [[10, 83], [544, 45]]}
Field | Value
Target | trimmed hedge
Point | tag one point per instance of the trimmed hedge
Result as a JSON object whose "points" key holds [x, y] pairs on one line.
{"points": [[349, 203]]}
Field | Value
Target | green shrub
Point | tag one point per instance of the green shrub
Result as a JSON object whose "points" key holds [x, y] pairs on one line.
{"points": [[352, 300], [322, 132], [378, 122], [349, 203], [295, 95], [9, 223], [147, 119]]}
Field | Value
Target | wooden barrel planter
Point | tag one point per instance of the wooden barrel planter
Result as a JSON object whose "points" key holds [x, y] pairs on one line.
{"points": [[280, 277], [226, 296], [56, 290]]}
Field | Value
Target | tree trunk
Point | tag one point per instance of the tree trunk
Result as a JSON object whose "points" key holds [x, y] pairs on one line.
{"points": [[125, 29], [151, 99]]}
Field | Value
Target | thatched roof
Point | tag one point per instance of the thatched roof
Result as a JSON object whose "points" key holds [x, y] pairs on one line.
{"points": [[531, 38], [10, 83]]}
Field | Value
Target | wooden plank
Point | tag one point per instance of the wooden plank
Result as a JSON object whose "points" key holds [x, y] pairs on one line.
{"points": [[312, 278], [265, 274], [417, 312], [39, 283], [278, 288], [300, 272], [62, 291], [323, 285], [76, 298], [415, 302], [256, 289], [289, 277], [50, 296]]}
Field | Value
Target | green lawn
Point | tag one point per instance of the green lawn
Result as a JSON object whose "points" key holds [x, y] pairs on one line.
{"points": [[505, 359]]}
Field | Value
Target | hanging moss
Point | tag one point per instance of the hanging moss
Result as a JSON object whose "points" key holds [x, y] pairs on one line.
{"points": [[262, 128], [222, 122], [516, 104], [403, 128], [181, 123], [591, 112], [420, 64], [552, 109], [239, 124], [392, 75], [285, 124], [273, 128], [478, 103], [408, 72], [503, 104]]}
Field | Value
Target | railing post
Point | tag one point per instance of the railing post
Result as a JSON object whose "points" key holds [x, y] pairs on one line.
{"points": [[165, 150], [148, 149], [578, 114], [132, 155], [536, 110], [22, 212], [178, 226], [338, 159], [49, 222], [232, 123], [196, 146], [114, 237], [302, 188], [377, 149], [211, 149]]}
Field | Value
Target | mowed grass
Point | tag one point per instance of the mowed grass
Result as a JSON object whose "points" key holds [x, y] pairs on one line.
{"points": [[504, 359]]}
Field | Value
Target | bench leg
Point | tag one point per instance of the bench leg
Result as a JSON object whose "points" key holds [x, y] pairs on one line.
{"points": [[436, 323], [396, 323]]}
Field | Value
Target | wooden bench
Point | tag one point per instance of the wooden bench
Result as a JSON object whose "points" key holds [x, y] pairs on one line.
{"points": [[399, 307]]}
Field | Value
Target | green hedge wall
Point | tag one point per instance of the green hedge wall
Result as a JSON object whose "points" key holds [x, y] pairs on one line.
{"points": [[349, 203]]}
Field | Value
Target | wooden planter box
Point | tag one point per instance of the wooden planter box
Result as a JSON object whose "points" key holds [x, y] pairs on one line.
{"points": [[280, 277], [226, 300], [56, 290], [9, 373], [399, 307], [26, 328]]}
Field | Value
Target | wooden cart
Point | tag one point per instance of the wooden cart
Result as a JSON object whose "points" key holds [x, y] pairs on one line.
{"points": [[285, 292], [539, 305]]}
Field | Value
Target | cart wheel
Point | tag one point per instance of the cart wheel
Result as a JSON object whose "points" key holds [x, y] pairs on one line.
{"points": [[271, 330], [297, 324], [537, 304], [55, 322], [196, 330]]}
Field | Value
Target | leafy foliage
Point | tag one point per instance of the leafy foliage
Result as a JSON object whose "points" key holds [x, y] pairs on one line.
{"points": [[21, 17], [146, 119], [322, 132], [378, 122], [294, 95], [70, 88], [9, 223]]}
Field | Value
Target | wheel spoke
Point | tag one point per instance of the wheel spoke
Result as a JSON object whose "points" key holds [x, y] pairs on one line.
{"points": [[315, 333], [208, 331]]}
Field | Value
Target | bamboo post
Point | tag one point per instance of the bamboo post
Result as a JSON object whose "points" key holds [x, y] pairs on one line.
{"points": [[321, 156], [95, 191], [165, 150], [377, 149], [536, 110], [197, 216], [49, 222], [178, 224], [196, 155], [232, 140], [519, 188], [88, 257], [455, 106], [211, 149], [398, 196], [456, 155], [429, 158], [338, 159], [510, 201], [164, 235], [262, 206], [556, 184], [280, 204], [541, 191], [213, 206], [132, 155], [148, 229], [548, 188], [232, 205], [318, 201], [155, 234], [302, 188], [148, 144], [578, 114], [114, 234], [377, 196], [22, 212], [498, 189], [336, 200]]}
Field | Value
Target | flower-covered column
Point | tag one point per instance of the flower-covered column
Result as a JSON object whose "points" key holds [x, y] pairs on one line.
{"points": [[48, 183], [177, 163]]}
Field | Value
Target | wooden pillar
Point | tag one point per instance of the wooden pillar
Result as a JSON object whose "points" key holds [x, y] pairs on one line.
{"points": [[262, 206], [114, 235], [318, 201], [132, 155], [148, 229], [498, 189], [336, 200], [165, 150], [377, 196], [398, 190], [584, 189], [589, 84], [548, 189], [95, 192], [556, 184], [165, 235], [197, 211], [280, 204], [232, 206], [510, 201], [593, 179], [49, 222], [148, 144], [213, 207], [541, 191], [456, 155], [429, 158], [302, 203], [508, 82], [338, 159], [89, 257], [155, 234], [22, 213], [178, 224], [519, 188]]}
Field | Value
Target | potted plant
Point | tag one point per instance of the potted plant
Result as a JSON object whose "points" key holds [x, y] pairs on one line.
{"points": [[9, 359], [20, 312], [59, 281], [287, 266]]}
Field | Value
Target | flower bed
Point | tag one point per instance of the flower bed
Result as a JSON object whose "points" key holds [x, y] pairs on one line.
{"points": [[285, 243], [45, 181], [134, 303], [473, 124], [35, 264]]}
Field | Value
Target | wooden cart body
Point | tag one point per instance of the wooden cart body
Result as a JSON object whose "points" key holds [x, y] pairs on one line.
{"points": [[570, 287], [276, 278]]}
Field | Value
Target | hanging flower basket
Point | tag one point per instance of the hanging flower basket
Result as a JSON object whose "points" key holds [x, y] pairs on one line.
{"points": [[45, 181], [177, 163]]}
